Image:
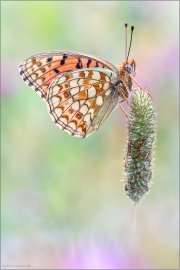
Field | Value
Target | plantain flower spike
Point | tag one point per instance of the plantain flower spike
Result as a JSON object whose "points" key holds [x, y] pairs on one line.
{"points": [[141, 138]]}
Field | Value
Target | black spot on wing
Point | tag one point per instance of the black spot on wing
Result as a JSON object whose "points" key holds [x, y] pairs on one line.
{"points": [[25, 79], [79, 64], [49, 59], [65, 56], [88, 62], [62, 62], [56, 70]]}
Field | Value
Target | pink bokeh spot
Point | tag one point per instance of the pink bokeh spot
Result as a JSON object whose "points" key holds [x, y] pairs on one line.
{"points": [[91, 255]]}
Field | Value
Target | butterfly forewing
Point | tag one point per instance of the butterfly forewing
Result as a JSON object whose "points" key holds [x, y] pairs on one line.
{"points": [[80, 101], [39, 70]]}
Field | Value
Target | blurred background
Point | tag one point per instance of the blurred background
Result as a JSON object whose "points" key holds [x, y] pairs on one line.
{"points": [[63, 203]]}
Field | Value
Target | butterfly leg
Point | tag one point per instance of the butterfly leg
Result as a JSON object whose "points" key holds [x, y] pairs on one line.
{"points": [[141, 86], [127, 101], [121, 90], [124, 111]]}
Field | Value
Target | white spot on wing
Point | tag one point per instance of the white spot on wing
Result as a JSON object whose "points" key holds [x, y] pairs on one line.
{"points": [[105, 86], [96, 75], [39, 81], [69, 101], [74, 91], [86, 73], [33, 77], [73, 83], [84, 109], [29, 71], [58, 112], [75, 106], [75, 75], [87, 117], [91, 92], [64, 120], [79, 129], [55, 101], [55, 89], [61, 79], [99, 100], [72, 125], [108, 92], [107, 78]]}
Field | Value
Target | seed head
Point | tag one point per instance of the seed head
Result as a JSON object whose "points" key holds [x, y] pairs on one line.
{"points": [[141, 137]]}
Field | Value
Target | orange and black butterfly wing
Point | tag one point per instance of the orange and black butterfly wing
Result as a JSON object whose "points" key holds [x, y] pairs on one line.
{"points": [[39, 70], [79, 101]]}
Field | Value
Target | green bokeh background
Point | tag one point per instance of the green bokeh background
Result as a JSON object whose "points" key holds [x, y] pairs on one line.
{"points": [[63, 204]]}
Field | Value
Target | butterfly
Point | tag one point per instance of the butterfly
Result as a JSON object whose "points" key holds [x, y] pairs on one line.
{"points": [[80, 90]]}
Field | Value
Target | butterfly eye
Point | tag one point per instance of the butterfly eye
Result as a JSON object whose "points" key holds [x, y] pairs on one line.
{"points": [[129, 68]]}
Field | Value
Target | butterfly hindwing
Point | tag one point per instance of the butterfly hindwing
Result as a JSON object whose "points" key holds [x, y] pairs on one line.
{"points": [[39, 70], [79, 101]]}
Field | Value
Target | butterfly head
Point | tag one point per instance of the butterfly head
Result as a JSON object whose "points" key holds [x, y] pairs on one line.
{"points": [[126, 71], [130, 67]]}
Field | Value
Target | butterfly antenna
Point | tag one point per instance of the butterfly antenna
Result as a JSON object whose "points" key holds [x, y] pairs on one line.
{"points": [[132, 28], [125, 25]]}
